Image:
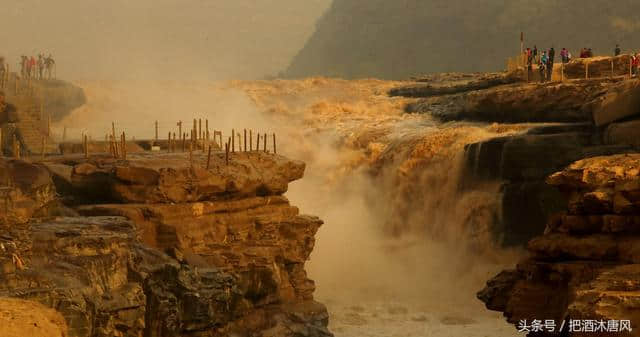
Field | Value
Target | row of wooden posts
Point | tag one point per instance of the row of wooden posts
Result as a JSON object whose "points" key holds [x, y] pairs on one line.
{"points": [[202, 138], [199, 139]]}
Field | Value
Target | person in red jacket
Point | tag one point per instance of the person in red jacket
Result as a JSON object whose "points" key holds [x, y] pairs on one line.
{"points": [[32, 66]]}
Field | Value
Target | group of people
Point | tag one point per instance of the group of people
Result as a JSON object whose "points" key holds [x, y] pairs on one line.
{"points": [[545, 61], [40, 68], [586, 53]]}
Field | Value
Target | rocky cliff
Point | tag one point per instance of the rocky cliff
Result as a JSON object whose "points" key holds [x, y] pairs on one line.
{"points": [[158, 246], [584, 267]]}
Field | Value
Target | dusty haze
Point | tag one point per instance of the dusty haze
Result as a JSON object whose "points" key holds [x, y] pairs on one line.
{"points": [[186, 39]]}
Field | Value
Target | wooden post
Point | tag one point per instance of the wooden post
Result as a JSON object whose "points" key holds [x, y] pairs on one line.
{"points": [[200, 128], [180, 128], [173, 143], [265, 142], [586, 70], [612, 68], [226, 146], [195, 129], [64, 134], [169, 142], [43, 146], [209, 157], [86, 147], [257, 141], [233, 140], [116, 153], [156, 131], [108, 138], [124, 146], [206, 126], [245, 140], [250, 140], [274, 143]]}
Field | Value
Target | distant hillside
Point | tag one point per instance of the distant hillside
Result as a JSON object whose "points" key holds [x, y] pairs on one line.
{"points": [[399, 38]]}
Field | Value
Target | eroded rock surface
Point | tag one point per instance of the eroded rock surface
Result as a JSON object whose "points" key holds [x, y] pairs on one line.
{"points": [[25, 189], [519, 103], [586, 265], [166, 247]]}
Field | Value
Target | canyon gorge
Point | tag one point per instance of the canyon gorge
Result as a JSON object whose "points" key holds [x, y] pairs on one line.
{"points": [[417, 192]]}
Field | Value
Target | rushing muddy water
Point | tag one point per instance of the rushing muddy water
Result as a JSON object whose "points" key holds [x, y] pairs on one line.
{"points": [[403, 249]]}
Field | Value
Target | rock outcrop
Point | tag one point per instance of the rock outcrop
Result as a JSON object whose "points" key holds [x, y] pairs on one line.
{"points": [[622, 101], [166, 247], [585, 266], [452, 84], [520, 103], [25, 189]]}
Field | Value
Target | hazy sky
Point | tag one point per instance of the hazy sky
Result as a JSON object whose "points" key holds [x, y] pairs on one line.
{"points": [[176, 39]]}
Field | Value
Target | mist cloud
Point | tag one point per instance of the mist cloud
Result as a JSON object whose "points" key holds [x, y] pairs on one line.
{"points": [[160, 39]]}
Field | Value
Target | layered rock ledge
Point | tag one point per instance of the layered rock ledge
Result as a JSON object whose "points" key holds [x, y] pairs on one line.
{"points": [[158, 245], [586, 265]]}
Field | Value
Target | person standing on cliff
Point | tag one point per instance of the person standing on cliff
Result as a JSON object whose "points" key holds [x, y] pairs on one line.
{"points": [[49, 63], [8, 123], [564, 55], [529, 64], [550, 61], [617, 51], [543, 67], [40, 66]]}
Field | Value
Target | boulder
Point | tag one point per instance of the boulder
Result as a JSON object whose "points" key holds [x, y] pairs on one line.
{"points": [[626, 133], [25, 188], [621, 101]]}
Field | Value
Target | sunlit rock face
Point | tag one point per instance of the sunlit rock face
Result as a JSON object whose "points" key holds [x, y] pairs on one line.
{"points": [[170, 248], [586, 263]]}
